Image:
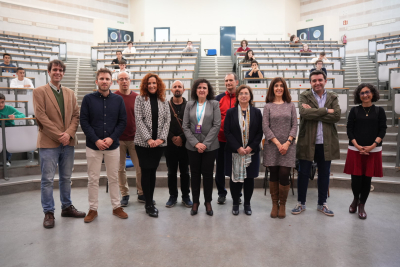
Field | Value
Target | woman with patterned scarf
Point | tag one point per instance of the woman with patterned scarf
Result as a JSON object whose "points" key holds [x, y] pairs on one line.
{"points": [[243, 132]]}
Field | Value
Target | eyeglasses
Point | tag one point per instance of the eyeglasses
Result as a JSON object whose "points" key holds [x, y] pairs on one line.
{"points": [[365, 93], [244, 93], [124, 79]]}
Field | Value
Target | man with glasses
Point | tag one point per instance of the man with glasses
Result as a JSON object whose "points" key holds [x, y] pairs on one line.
{"points": [[126, 143], [318, 139]]}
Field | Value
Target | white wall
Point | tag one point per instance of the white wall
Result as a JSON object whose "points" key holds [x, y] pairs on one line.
{"points": [[357, 13], [257, 19]]}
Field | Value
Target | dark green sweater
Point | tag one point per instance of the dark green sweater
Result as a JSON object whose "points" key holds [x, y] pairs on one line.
{"points": [[60, 101]]}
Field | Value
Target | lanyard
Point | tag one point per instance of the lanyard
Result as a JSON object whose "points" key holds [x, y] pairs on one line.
{"points": [[198, 114]]}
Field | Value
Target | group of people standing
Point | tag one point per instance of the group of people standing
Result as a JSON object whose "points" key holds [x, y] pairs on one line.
{"points": [[226, 129]]}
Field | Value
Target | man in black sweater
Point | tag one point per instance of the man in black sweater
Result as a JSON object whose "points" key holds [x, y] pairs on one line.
{"points": [[117, 60], [176, 152]]}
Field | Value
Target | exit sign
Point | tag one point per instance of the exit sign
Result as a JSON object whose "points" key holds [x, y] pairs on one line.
{"points": [[120, 22], [309, 20]]}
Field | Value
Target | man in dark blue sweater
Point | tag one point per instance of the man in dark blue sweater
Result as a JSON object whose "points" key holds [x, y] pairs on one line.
{"points": [[103, 120]]}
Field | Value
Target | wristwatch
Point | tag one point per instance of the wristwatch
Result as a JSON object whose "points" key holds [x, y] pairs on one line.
{"points": [[376, 143], [291, 141]]}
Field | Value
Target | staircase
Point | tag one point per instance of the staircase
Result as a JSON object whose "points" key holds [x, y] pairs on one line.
{"points": [[214, 70]]}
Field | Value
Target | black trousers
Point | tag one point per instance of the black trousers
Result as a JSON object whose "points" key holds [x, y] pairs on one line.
{"points": [[236, 189], [202, 164], [177, 156], [361, 186], [148, 184], [220, 170], [280, 173]]}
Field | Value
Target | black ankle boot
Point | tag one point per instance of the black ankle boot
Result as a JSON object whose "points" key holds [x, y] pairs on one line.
{"points": [[152, 211]]}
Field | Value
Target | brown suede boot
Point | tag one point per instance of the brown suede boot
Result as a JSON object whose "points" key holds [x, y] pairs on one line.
{"points": [[283, 194], [92, 214], [274, 191]]}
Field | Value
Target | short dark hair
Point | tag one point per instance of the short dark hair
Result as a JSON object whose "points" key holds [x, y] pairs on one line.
{"points": [[271, 94], [188, 42], [19, 68], [322, 54], [372, 88], [247, 43], [234, 75], [56, 62], [2, 96], [119, 51], [318, 72], [292, 37], [122, 62], [130, 42], [319, 60], [210, 95], [240, 88], [103, 70], [6, 54], [254, 61]]}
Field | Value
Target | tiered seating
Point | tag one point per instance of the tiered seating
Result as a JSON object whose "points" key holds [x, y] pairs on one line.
{"points": [[37, 44], [278, 59], [163, 58], [379, 43]]}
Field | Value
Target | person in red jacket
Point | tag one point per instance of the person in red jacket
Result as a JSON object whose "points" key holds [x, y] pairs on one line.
{"points": [[226, 101]]}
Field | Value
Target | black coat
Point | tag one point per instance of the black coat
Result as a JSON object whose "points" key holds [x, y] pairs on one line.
{"points": [[233, 133]]}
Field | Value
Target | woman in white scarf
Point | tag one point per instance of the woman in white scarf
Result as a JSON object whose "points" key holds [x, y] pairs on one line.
{"points": [[243, 132]]}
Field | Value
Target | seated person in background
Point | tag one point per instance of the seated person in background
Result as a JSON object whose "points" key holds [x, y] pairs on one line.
{"points": [[243, 47], [118, 59], [254, 72], [249, 57], [8, 112], [189, 48], [319, 65], [294, 41], [21, 81], [122, 68], [305, 51], [130, 49], [7, 63], [322, 56]]}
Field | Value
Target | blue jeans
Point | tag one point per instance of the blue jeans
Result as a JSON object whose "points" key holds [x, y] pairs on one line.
{"points": [[324, 169], [49, 158]]}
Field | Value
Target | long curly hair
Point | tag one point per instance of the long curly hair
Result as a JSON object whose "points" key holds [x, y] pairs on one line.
{"points": [[145, 84]]}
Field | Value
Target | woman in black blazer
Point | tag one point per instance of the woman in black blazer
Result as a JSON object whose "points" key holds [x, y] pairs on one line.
{"points": [[243, 137]]}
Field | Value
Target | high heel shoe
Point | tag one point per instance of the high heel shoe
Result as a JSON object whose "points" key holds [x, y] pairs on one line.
{"points": [[194, 209], [353, 206], [209, 212]]}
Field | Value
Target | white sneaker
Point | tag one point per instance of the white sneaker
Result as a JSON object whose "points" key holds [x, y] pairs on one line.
{"points": [[8, 164]]}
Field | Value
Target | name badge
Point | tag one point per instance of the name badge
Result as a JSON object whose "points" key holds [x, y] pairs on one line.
{"points": [[198, 129]]}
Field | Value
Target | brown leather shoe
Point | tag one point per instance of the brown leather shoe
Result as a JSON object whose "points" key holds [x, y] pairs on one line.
{"points": [[361, 212], [120, 213], [71, 211], [92, 214], [48, 221], [353, 206]]}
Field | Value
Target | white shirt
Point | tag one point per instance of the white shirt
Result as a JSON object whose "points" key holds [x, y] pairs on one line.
{"points": [[316, 58], [129, 51], [15, 83]]}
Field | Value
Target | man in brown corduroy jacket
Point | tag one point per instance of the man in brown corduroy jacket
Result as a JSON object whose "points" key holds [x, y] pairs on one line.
{"points": [[57, 115]]}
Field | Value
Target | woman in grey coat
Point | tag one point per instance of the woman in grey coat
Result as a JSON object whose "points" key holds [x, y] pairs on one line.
{"points": [[280, 129], [201, 124]]}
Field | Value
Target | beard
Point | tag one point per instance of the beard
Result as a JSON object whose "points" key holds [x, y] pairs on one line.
{"points": [[178, 94]]}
